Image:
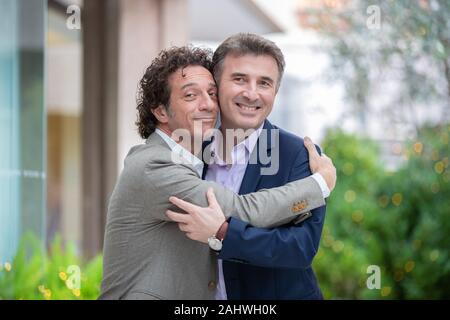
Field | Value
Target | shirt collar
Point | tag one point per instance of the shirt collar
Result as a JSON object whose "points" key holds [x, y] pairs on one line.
{"points": [[246, 145], [182, 152]]}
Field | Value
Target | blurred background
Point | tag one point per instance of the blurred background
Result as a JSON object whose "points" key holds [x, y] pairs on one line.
{"points": [[367, 80]]}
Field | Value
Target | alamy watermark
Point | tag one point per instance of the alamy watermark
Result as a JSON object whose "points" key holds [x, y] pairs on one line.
{"points": [[373, 21], [374, 280], [264, 148], [73, 281], [73, 22]]}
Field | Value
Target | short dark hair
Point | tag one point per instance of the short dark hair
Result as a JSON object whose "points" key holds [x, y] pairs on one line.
{"points": [[247, 43], [154, 89]]}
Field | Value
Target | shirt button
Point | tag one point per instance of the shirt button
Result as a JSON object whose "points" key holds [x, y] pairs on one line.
{"points": [[211, 285]]}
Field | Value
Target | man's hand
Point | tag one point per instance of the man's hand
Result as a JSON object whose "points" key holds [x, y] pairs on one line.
{"points": [[321, 164], [200, 223]]}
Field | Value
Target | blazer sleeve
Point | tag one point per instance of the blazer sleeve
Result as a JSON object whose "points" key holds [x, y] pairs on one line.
{"points": [[265, 208], [289, 246]]}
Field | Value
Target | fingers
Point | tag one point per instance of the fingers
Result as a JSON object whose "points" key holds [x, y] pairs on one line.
{"points": [[313, 154], [191, 235], [185, 228], [182, 227], [329, 162], [182, 219], [186, 206], [328, 159], [196, 237], [178, 217], [212, 198]]}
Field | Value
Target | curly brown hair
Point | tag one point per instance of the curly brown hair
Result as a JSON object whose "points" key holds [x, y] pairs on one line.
{"points": [[154, 89]]}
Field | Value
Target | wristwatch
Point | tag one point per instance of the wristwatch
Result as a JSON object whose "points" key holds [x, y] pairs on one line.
{"points": [[215, 241]]}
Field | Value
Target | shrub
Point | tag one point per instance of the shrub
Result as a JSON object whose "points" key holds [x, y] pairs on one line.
{"points": [[398, 221], [36, 275]]}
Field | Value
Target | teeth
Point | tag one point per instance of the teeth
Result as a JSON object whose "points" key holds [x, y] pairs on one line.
{"points": [[247, 107]]}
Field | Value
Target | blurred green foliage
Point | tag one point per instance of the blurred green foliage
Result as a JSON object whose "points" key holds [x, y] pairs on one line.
{"points": [[36, 275], [399, 221]]}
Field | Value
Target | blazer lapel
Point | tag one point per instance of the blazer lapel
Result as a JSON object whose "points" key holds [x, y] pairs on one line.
{"points": [[251, 179], [206, 153], [252, 174]]}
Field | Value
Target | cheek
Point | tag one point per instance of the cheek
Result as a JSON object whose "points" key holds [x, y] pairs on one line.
{"points": [[216, 106], [227, 93], [223, 102], [269, 101]]}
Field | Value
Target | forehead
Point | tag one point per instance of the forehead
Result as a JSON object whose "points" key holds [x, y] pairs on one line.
{"points": [[195, 75], [250, 64]]}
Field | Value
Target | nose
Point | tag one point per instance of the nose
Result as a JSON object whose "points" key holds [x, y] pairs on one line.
{"points": [[250, 92], [208, 104]]}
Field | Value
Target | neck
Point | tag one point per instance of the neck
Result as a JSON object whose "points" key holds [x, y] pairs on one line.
{"points": [[165, 130], [233, 138], [236, 135]]}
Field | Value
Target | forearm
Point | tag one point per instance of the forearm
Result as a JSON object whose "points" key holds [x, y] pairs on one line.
{"points": [[266, 208], [274, 207], [292, 246]]}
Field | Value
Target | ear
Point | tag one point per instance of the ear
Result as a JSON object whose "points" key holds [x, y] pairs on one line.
{"points": [[161, 114]]}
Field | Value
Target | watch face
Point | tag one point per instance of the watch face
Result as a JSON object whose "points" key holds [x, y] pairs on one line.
{"points": [[215, 244]]}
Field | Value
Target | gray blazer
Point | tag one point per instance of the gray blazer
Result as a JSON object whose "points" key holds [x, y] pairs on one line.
{"points": [[146, 256]]}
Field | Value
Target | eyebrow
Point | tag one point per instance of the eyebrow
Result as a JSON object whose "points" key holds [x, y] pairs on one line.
{"points": [[191, 84], [268, 79], [239, 74]]}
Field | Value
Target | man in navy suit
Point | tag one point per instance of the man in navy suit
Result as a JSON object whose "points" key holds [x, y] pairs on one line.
{"points": [[256, 263]]}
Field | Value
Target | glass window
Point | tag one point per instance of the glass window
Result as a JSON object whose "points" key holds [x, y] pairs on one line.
{"points": [[22, 122]]}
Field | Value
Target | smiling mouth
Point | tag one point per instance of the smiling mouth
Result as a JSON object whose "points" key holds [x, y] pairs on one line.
{"points": [[247, 108], [205, 119]]}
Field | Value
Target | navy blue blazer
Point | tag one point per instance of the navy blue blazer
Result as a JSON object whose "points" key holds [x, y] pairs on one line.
{"points": [[273, 263]]}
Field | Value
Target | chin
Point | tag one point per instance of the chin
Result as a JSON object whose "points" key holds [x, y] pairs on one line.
{"points": [[208, 129], [247, 124]]}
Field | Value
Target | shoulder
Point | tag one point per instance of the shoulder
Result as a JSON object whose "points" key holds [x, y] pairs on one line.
{"points": [[139, 157], [141, 154], [155, 160], [153, 150], [290, 139], [289, 145]]}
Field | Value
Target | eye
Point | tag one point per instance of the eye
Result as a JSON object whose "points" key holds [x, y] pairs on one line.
{"points": [[239, 79], [189, 95], [265, 83], [213, 94]]}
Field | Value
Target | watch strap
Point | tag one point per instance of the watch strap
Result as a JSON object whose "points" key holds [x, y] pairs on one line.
{"points": [[222, 232]]}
